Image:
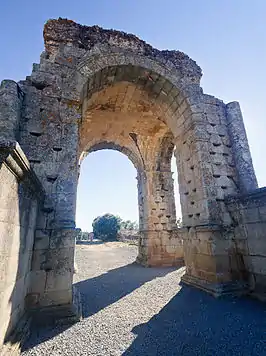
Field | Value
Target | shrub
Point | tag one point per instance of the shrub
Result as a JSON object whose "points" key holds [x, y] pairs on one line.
{"points": [[106, 227]]}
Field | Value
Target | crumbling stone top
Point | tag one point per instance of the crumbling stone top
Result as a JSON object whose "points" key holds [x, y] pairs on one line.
{"points": [[67, 31]]}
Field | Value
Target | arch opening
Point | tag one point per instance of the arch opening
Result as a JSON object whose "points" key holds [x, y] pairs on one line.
{"points": [[128, 108], [107, 184]]}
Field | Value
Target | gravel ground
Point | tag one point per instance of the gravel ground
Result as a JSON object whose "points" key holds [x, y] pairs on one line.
{"points": [[131, 310]]}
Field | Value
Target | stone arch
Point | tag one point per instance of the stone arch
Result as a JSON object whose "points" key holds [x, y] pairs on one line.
{"points": [[154, 212], [168, 80], [102, 145], [156, 95], [172, 102], [79, 70]]}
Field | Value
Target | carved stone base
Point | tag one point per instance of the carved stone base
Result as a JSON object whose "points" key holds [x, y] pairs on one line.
{"points": [[55, 315], [59, 314], [236, 288], [160, 249]]}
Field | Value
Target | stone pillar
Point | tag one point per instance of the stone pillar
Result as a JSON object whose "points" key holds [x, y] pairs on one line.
{"points": [[53, 155], [54, 249], [10, 102], [160, 244], [245, 171], [207, 175]]}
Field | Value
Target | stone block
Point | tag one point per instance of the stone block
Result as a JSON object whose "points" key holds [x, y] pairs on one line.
{"points": [[58, 297], [240, 232], [39, 259], [63, 238], [257, 246], [37, 282], [58, 280], [42, 239], [53, 259], [257, 264], [251, 215], [241, 247], [204, 262]]}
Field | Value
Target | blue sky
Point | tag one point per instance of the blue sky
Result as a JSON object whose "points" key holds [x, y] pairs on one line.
{"points": [[227, 38]]}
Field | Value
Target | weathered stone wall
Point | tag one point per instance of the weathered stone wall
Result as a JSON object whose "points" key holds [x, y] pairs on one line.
{"points": [[159, 243], [249, 237], [52, 268], [20, 196], [161, 248]]}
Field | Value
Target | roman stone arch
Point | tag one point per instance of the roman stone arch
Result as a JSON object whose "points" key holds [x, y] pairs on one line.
{"points": [[95, 89]]}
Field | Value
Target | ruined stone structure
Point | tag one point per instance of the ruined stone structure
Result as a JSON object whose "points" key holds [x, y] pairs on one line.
{"points": [[97, 89]]}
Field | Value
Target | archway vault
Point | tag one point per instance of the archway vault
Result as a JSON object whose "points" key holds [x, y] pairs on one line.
{"points": [[125, 113], [96, 88]]}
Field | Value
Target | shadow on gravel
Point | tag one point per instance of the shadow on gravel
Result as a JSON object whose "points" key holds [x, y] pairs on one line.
{"points": [[101, 291], [196, 324], [40, 335]]}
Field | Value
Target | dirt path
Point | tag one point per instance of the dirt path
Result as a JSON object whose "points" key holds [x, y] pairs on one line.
{"points": [[131, 310]]}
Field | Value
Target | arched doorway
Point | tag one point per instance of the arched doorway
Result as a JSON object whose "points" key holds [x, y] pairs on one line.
{"points": [[132, 126], [101, 88]]}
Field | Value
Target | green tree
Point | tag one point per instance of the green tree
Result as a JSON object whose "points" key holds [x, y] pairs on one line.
{"points": [[129, 225], [106, 227]]}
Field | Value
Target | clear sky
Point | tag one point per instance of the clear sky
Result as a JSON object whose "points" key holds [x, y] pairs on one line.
{"points": [[227, 38]]}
